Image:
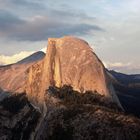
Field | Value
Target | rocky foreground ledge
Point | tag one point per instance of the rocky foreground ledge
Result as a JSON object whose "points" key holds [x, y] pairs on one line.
{"points": [[71, 115]]}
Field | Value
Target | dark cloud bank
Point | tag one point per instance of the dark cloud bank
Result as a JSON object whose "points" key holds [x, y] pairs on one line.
{"points": [[39, 28]]}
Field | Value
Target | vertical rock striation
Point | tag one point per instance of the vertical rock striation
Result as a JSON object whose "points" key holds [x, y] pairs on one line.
{"points": [[69, 61]]}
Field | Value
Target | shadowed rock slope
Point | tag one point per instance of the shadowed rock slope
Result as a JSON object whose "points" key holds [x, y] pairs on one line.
{"points": [[70, 115], [90, 116], [127, 88], [18, 118]]}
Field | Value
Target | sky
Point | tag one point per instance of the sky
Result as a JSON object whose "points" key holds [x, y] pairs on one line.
{"points": [[111, 27]]}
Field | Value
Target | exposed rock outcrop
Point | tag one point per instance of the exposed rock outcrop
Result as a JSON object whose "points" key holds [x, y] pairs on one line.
{"points": [[12, 77], [69, 61]]}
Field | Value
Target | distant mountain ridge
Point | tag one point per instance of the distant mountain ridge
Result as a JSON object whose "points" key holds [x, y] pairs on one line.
{"points": [[126, 78], [32, 58], [128, 91], [13, 76]]}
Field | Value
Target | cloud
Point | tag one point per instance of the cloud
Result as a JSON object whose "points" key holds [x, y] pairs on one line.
{"points": [[4, 60], [116, 64], [32, 4], [69, 14], [129, 68], [43, 50], [8, 21], [40, 27]]}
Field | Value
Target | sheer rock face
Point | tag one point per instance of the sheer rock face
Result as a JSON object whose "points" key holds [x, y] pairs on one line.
{"points": [[69, 61]]}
